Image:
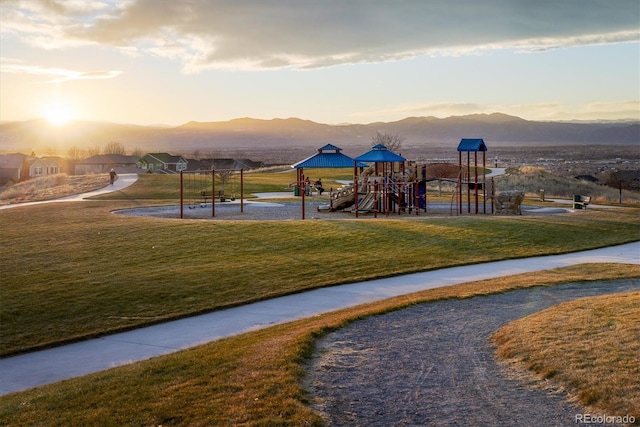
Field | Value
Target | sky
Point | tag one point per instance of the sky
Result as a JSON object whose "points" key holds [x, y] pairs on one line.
{"points": [[331, 61]]}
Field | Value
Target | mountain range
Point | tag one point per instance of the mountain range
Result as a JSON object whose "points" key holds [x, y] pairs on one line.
{"points": [[246, 133]]}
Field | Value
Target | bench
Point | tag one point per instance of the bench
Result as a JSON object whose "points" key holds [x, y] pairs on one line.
{"points": [[206, 195], [580, 202]]}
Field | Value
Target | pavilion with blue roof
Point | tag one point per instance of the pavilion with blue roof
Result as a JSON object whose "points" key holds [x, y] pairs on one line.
{"points": [[383, 163], [472, 144], [379, 154], [328, 156]]}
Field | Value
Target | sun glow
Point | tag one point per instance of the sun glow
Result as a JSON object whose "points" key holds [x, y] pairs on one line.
{"points": [[57, 113]]}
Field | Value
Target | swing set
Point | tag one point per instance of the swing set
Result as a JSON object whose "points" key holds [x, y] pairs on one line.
{"points": [[199, 187]]}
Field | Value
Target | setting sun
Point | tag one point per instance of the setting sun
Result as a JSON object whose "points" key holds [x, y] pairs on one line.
{"points": [[57, 113]]}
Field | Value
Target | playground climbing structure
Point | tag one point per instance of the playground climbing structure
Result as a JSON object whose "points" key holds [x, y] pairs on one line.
{"points": [[386, 183], [472, 179]]}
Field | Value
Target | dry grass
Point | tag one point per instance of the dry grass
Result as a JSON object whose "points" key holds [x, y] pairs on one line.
{"points": [[251, 379], [51, 187], [531, 179], [590, 347]]}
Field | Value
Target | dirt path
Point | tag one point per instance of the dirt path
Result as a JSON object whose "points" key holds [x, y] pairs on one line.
{"points": [[433, 365]]}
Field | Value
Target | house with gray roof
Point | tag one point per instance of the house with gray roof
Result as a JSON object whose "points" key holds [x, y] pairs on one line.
{"points": [[222, 164], [43, 166], [13, 167], [163, 162], [102, 163]]}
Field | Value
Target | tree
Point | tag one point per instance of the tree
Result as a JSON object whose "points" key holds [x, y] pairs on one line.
{"points": [[224, 176], [623, 180], [392, 142], [114, 147], [93, 151], [442, 171], [75, 153]]}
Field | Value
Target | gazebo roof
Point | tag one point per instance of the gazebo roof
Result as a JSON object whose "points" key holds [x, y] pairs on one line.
{"points": [[328, 156], [379, 154], [472, 144]]}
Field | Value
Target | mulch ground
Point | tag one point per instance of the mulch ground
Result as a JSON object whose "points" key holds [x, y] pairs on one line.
{"points": [[433, 365]]}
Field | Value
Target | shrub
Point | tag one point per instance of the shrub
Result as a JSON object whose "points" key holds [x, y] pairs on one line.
{"points": [[532, 179]]}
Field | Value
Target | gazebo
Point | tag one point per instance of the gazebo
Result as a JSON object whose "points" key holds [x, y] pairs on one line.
{"points": [[328, 156]]}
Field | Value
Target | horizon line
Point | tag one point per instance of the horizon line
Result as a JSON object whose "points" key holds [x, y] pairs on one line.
{"points": [[165, 125]]}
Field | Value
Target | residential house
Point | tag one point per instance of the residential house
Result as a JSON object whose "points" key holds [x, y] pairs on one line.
{"points": [[43, 166], [222, 164], [13, 168], [162, 162], [102, 163], [18, 167]]}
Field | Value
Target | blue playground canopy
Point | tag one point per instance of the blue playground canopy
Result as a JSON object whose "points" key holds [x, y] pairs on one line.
{"points": [[472, 144], [379, 154], [328, 156]]}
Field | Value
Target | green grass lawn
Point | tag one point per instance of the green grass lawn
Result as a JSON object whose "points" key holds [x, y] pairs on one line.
{"points": [[74, 270], [167, 187]]}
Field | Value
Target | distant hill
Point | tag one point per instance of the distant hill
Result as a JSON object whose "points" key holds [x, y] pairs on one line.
{"points": [[247, 133]]}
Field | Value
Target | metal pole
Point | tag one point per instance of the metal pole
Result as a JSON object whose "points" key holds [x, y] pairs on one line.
{"points": [[241, 191], [468, 178], [475, 184], [355, 187], [301, 189], [460, 183], [181, 197], [416, 194], [484, 182], [213, 177]]}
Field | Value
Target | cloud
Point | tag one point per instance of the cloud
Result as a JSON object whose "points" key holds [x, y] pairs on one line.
{"points": [[263, 34], [57, 74], [442, 109], [614, 109]]}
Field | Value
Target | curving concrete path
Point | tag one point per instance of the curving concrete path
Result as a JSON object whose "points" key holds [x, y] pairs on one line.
{"points": [[48, 366], [123, 181]]}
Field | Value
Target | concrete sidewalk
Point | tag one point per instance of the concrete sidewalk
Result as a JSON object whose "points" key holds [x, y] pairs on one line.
{"points": [[123, 181], [48, 366]]}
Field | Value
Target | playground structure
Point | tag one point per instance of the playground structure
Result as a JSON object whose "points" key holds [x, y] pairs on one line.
{"points": [[385, 182], [198, 187], [471, 180]]}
